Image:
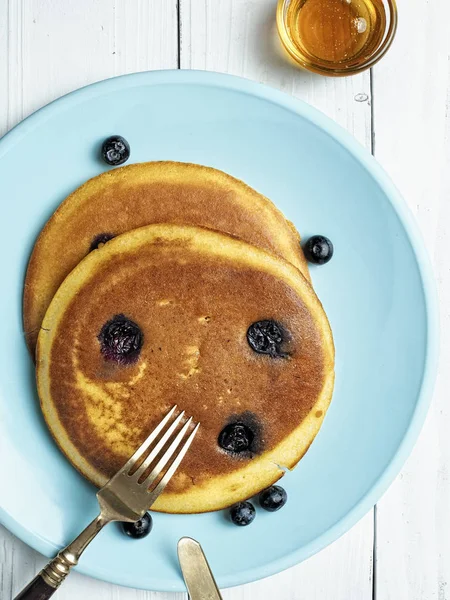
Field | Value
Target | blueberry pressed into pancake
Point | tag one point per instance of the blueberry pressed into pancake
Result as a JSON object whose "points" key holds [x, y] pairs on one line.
{"points": [[168, 315], [133, 196]]}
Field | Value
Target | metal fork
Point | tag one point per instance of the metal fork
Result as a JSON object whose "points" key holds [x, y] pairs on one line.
{"points": [[126, 497]]}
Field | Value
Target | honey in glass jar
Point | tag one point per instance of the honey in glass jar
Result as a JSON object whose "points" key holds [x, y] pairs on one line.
{"points": [[336, 36]]}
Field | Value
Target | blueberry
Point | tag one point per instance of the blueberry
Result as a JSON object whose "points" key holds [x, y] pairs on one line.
{"points": [[242, 514], [115, 150], [140, 529], [318, 249], [266, 337], [121, 340], [99, 240], [273, 498], [236, 438]]}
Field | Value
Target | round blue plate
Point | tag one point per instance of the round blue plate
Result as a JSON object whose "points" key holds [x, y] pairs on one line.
{"points": [[378, 292]]}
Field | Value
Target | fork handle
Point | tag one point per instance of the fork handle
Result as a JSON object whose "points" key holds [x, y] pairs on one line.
{"points": [[38, 589], [45, 584]]}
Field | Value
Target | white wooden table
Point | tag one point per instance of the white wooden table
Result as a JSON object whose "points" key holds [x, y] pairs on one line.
{"points": [[400, 110]]}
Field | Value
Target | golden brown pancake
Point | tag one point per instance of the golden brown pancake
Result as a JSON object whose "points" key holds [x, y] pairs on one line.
{"points": [[158, 192], [161, 316]]}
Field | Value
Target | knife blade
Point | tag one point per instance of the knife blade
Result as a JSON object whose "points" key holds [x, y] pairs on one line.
{"points": [[196, 571]]}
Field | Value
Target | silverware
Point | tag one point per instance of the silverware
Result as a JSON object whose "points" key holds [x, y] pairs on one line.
{"points": [[126, 497], [196, 571]]}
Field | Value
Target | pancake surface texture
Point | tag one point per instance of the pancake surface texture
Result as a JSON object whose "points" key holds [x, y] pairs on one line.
{"points": [[191, 295], [141, 194]]}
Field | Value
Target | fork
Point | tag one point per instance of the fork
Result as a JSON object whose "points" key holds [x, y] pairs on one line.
{"points": [[126, 497]]}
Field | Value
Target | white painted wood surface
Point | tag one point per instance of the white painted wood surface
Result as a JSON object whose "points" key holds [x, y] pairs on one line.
{"points": [[412, 126], [50, 47]]}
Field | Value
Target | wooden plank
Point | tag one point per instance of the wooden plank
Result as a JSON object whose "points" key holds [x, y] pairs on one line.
{"points": [[412, 124], [49, 48], [239, 37]]}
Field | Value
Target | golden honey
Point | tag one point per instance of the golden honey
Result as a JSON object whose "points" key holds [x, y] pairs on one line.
{"points": [[327, 35]]}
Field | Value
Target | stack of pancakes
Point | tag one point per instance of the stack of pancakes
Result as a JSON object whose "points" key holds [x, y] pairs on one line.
{"points": [[168, 283]]}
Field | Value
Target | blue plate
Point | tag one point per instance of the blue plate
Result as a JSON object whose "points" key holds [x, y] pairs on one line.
{"points": [[378, 292]]}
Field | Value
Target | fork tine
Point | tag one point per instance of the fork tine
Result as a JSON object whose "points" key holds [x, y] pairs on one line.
{"points": [[157, 449], [147, 442], [167, 455], [173, 467]]}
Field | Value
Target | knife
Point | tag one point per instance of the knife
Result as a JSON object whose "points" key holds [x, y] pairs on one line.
{"points": [[197, 574]]}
